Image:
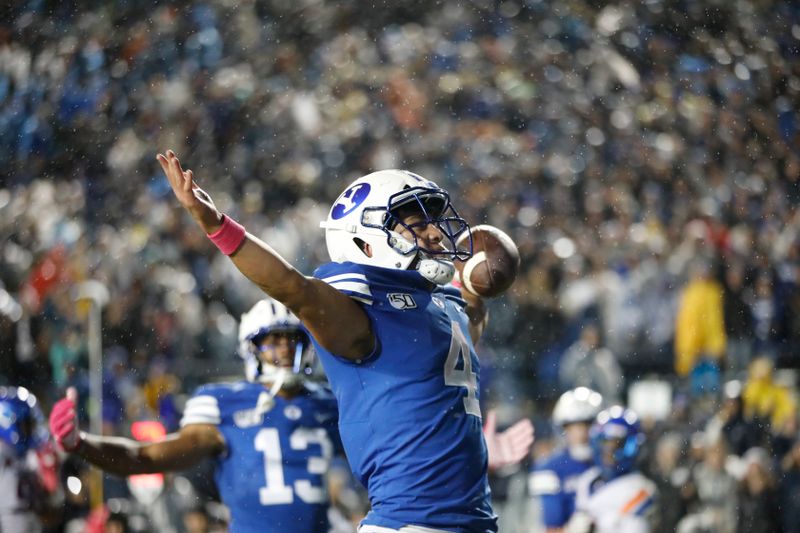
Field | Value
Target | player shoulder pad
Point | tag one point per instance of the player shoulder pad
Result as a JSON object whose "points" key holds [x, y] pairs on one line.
{"points": [[348, 278], [542, 482], [204, 405]]}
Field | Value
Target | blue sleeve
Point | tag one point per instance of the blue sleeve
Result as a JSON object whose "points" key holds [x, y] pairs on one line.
{"points": [[203, 407], [452, 293], [347, 278], [545, 483], [351, 279], [553, 510]]}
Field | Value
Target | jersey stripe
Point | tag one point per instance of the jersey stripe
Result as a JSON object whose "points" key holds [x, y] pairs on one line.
{"points": [[362, 300], [544, 482], [644, 507], [348, 276], [201, 410], [640, 497], [353, 285]]}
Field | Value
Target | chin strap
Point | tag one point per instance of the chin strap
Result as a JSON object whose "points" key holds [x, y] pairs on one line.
{"points": [[438, 271], [266, 400]]}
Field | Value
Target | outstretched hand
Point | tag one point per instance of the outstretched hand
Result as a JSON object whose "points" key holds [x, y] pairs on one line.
{"points": [[509, 447], [189, 194], [64, 422]]}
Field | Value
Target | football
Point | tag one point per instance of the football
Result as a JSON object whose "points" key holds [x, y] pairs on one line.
{"points": [[494, 264]]}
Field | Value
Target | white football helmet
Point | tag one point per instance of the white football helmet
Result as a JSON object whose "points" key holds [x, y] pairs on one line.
{"points": [[366, 213], [270, 316], [577, 405]]}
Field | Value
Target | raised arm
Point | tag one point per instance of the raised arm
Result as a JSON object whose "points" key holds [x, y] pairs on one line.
{"points": [[335, 320], [125, 457], [477, 313]]}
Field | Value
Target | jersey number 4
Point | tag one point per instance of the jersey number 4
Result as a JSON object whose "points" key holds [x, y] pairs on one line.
{"points": [[277, 492], [463, 377]]}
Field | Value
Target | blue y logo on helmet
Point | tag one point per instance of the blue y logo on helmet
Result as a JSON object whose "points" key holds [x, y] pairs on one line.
{"points": [[349, 200]]}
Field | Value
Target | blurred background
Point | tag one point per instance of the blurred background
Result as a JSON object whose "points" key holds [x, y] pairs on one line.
{"points": [[645, 157]]}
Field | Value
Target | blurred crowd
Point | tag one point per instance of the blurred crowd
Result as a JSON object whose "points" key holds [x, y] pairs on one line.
{"points": [[645, 157]]}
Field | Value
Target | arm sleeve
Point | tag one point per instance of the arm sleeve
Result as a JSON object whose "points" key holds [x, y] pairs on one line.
{"points": [[453, 294], [348, 279], [202, 408], [546, 485]]}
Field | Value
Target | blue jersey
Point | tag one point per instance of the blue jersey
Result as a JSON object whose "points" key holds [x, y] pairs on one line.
{"points": [[271, 474], [555, 481], [409, 414]]}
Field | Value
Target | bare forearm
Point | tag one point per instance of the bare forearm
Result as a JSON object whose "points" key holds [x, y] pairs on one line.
{"points": [[117, 455], [269, 271], [345, 332], [257, 261], [126, 457]]}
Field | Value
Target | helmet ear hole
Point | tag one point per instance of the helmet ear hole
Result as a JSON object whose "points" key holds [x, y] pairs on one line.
{"points": [[365, 248]]}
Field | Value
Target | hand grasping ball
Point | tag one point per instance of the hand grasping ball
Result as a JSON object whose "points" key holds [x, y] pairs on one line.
{"points": [[494, 264]]}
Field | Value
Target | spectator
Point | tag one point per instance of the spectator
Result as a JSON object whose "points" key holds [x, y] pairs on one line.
{"points": [[699, 330], [789, 490], [738, 320], [588, 364], [764, 314], [766, 401], [671, 478], [714, 508], [758, 499], [739, 432]]}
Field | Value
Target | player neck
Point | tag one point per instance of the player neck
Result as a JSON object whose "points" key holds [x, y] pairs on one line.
{"points": [[287, 391]]}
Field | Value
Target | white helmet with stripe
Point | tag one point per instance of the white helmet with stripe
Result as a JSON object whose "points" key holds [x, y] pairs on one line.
{"points": [[265, 317], [366, 215]]}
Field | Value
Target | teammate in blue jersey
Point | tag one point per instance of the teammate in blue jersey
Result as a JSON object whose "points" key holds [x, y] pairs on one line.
{"points": [[554, 480], [396, 342], [24, 459], [272, 435]]}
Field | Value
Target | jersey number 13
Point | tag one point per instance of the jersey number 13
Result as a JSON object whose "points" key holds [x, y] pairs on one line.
{"points": [[277, 492]]}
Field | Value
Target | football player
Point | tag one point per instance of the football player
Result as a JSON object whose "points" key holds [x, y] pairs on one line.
{"points": [[27, 464], [553, 481], [612, 496], [396, 342], [272, 435], [212, 415]]}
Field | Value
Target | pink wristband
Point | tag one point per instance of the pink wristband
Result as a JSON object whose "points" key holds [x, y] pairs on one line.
{"points": [[229, 236]]}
